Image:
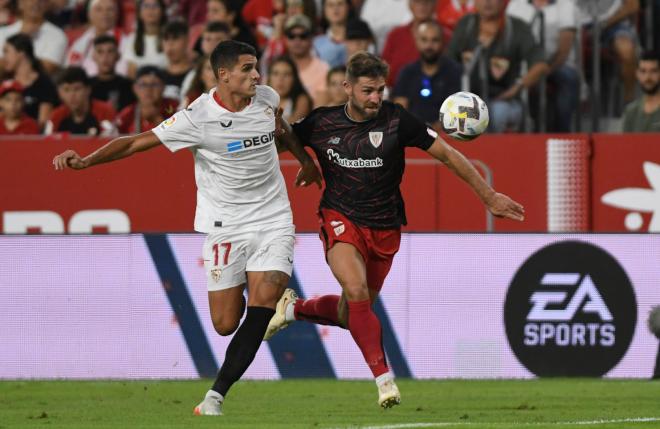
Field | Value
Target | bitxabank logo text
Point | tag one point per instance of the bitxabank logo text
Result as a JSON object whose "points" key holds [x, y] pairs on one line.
{"points": [[570, 311]]}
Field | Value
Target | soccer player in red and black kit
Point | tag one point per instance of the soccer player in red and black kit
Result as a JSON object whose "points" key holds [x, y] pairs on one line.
{"points": [[361, 149]]}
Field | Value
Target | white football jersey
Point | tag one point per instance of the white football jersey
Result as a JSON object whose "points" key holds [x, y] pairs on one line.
{"points": [[237, 170]]}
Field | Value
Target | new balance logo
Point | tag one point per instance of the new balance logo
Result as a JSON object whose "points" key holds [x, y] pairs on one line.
{"points": [[226, 125], [586, 294]]}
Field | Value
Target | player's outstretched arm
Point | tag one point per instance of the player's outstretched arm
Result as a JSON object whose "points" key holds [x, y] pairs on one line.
{"points": [[118, 148], [287, 140], [498, 204]]}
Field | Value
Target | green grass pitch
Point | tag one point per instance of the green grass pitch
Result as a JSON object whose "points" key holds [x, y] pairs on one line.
{"points": [[537, 404]]}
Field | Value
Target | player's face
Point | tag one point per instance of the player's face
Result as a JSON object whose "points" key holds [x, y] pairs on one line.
{"points": [[242, 79], [105, 56], [74, 95], [648, 75], [366, 95], [429, 43], [12, 105]]}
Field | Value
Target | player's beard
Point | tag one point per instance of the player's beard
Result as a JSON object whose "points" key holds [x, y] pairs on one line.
{"points": [[362, 110], [653, 90]]}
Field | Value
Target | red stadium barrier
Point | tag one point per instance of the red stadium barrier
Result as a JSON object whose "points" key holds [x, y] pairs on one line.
{"points": [[155, 191]]}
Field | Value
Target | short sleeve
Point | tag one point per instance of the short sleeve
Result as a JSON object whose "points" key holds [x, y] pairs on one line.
{"points": [[304, 127], [568, 15], [271, 96], [178, 132], [413, 132]]}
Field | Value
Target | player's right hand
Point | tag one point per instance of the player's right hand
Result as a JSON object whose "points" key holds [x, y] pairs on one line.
{"points": [[69, 158]]}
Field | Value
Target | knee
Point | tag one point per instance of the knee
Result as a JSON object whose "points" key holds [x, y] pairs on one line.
{"points": [[355, 291], [225, 327]]}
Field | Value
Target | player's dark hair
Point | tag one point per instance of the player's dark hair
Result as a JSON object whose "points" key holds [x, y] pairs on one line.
{"points": [[650, 55], [226, 54], [72, 74], [365, 64], [174, 30], [217, 27], [103, 39]]}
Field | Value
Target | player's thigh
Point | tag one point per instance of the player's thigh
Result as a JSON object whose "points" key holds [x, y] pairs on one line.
{"points": [[226, 306], [383, 245], [348, 266], [269, 265]]}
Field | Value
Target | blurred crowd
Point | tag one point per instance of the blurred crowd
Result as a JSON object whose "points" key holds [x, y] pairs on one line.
{"points": [[107, 67]]}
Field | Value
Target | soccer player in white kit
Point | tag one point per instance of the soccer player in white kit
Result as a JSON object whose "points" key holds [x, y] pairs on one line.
{"points": [[242, 203]]}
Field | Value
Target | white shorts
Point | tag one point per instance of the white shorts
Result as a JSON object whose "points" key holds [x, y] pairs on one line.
{"points": [[228, 255]]}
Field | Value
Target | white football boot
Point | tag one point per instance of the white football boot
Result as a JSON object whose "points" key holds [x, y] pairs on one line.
{"points": [[388, 394], [279, 321], [210, 406]]}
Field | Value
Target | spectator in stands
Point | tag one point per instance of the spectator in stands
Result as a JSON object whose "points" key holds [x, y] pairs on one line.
{"points": [[643, 114], [330, 46], [13, 120], [203, 80], [179, 64], [49, 41], [214, 33], [422, 86], [383, 16], [400, 47], [294, 100], [312, 70], [39, 92], [359, 37], [107, 85], [619, 33], [151, 108], [449, 12], [144, 46], [229, 12], [560, 21], [79, 113], [335, 94], [102, 15], [7, 12], [504, 43], [267, 17], [192, 11]]}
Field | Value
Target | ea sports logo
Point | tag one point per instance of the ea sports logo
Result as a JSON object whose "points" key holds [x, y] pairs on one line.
{"points": [[570, 311]]}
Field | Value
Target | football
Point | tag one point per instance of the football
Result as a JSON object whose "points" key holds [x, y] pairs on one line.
{"points": [[464, 116]]}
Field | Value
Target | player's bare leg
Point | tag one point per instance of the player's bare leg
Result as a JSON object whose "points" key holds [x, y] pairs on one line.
{"points": [[264, 290], [227, 307]]}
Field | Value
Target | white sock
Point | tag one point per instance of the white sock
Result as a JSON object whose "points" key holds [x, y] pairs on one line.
{"points": [[384, 378], [215, 395], [289, 315]]}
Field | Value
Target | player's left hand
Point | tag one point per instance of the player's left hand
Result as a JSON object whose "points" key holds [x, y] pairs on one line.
{"points": [[501, 205], [308, 174]]}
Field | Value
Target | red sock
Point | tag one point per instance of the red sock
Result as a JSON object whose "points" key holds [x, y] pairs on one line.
{"points": [[321, 310], [366, 331]]}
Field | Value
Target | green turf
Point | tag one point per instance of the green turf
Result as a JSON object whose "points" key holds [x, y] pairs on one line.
{"points": [[329, 404]]}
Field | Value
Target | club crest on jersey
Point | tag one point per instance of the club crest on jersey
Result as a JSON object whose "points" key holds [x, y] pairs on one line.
{"points": [[168, 122], [269, 112], [376, 138], [338, 227], [215, 274]]}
